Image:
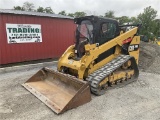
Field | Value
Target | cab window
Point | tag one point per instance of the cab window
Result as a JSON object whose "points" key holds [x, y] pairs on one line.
{"points": [[107, 32]]}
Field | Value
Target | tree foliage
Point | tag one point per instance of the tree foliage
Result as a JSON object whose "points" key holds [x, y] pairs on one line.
{"points": [[40, 9], [109, 14], [150, 25], [123, 19], [147, 19], [79, 14], [134, 20], [28, 6], [156, 27], [71, 14], [62, 12], [49, 10], [18, 8]]}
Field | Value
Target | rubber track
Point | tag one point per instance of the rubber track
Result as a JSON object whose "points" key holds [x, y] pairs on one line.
{"points": [[96, 77]]}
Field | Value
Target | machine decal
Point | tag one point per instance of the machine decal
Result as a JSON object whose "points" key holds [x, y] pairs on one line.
{"points": [[133, 47]]}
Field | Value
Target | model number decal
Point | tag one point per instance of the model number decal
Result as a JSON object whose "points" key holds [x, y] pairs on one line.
{"points": [[133, 47]]}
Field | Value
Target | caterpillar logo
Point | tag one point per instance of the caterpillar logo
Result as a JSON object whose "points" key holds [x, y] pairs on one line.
{"points": [[133, 47]]}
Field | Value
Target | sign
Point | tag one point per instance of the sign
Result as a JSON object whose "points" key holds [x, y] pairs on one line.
{"points": [[23, 33]]}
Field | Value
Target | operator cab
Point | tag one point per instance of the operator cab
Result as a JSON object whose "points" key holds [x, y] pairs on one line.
{"points": [[93, 29]]}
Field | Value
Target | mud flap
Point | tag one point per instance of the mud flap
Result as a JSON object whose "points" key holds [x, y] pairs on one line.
{"points": [[58, 91]]}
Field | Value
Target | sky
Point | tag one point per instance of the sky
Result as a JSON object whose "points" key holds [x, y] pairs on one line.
{"points": [[95, 7]]}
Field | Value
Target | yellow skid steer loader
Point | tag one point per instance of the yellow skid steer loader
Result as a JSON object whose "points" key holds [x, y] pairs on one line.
{"points": [[104, 56]]}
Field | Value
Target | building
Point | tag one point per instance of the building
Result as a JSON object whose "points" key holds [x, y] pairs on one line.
{"points": [[26, 36]]}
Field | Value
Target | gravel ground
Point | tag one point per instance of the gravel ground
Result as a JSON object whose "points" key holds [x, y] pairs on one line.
{"points": [[139, 100]]}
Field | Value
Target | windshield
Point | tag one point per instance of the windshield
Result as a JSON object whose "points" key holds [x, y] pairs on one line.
{"points": [[85, 29]]}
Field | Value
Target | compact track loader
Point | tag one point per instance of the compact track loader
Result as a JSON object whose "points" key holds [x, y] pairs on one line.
{"points": [[104, 56]]}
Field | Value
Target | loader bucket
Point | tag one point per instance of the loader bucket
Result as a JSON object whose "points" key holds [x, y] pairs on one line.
{"points": [[58, 91]]}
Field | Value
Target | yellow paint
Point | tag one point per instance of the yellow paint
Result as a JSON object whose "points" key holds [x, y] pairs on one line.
{"points": [[87, 64]]}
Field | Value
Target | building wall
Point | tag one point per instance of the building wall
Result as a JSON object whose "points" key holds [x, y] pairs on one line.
{"points": [[57, 35]]}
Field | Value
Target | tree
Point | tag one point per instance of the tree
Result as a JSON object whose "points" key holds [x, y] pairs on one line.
{"points": [[147, 19], [156, 27], [71, 14], [109, 14], [28, 6], [123, 19], [45, 10], [18, 8], [62, 13], [134, 20], [79, 14], [40, 9], [49, 10]]}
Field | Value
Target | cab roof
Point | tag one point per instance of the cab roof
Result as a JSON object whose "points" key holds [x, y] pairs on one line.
{"points": [[94, 19]]}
